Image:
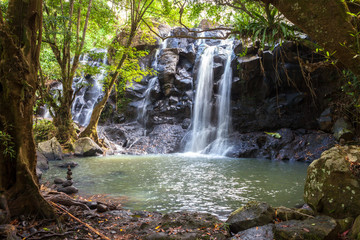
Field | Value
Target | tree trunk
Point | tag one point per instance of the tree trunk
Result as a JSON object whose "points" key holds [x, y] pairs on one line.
{"points": [[328, 24], [66, 133], [91, 129], [20, 39]]}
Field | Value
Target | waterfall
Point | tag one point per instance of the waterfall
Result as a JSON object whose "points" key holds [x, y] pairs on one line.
{"points": [[88, 89], [146, 96], [201, 120], [220, 145], [91, 91], [205, 137]]}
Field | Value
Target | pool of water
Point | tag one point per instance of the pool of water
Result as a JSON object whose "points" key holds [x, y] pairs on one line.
{"points": [[168, 183]]}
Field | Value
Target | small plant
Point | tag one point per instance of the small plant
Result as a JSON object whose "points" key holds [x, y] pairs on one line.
{"points": [[7, 145], [43, 130]]}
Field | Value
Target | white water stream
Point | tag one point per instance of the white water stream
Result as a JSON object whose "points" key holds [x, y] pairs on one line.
{"points": [[205, 136]]}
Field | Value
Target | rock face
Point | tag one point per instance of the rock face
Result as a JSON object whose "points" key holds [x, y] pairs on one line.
{"points": [[251, 215], [270, 91], [300, 145], [332, 184], [51, 149], [86, 147]]}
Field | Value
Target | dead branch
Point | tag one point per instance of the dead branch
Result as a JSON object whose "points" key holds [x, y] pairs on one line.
{"points": [[78, 220]]}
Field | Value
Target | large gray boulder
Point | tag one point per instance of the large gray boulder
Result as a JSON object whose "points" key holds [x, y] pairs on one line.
{"points": [[251, 215], [86, 147], [42, 162], [51, 149], [332, 183]]}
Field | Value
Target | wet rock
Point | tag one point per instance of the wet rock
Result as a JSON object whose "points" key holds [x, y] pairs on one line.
{"points": [[293, 145], [320, 227], [68, 190], [343, 130], [92, 205], [67, 183], [251, 215], [102, 208], [325, 120], [86, 147], [324, 193], [51, 149], [167, 69], [259, 233], [59, 181], [67, 164], [42, 162]]}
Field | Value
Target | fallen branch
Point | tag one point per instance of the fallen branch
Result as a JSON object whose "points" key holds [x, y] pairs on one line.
{"points": [[77, 219]]}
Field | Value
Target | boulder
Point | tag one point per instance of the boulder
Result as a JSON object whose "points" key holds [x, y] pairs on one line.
{"points": [[59, 181], [320, 227], [51, 149], [251, 215], [68, 190], [332, 182], [325, 120], [86, 147], [102, 208], [343, 130], [42, 162], [258, 233]]}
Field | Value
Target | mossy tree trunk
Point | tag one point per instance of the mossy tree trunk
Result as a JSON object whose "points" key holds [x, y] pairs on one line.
{"points": [[328, 24], [20, 40], [138, 8]]}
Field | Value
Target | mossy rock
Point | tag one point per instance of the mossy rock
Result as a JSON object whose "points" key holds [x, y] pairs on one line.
{"points": [[251, 215], [332, 184]]}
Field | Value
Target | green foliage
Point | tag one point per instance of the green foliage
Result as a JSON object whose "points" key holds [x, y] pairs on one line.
{"points": [[350, 102], [4, 6], [7, 145], [264, 24], [43, 130], [50, 69]]}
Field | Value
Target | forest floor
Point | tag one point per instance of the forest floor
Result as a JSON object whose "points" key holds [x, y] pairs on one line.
{"points": [[101, 217]]}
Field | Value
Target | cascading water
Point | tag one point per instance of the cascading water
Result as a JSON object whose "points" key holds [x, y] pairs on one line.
{"points": [[90, 90], [142, 108], [220, 145], [89, 95], [201, 120], [205, 137]]}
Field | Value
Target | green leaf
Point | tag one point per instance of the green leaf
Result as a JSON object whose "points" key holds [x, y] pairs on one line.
{"points": [[273, 134]]}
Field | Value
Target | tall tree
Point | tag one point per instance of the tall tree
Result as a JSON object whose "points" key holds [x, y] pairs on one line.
{"points": [[66, 33], [138, 8], [20, 40]]}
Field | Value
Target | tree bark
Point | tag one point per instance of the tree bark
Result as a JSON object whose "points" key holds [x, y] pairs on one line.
{"points": [[328, 24], [20, 39]]}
